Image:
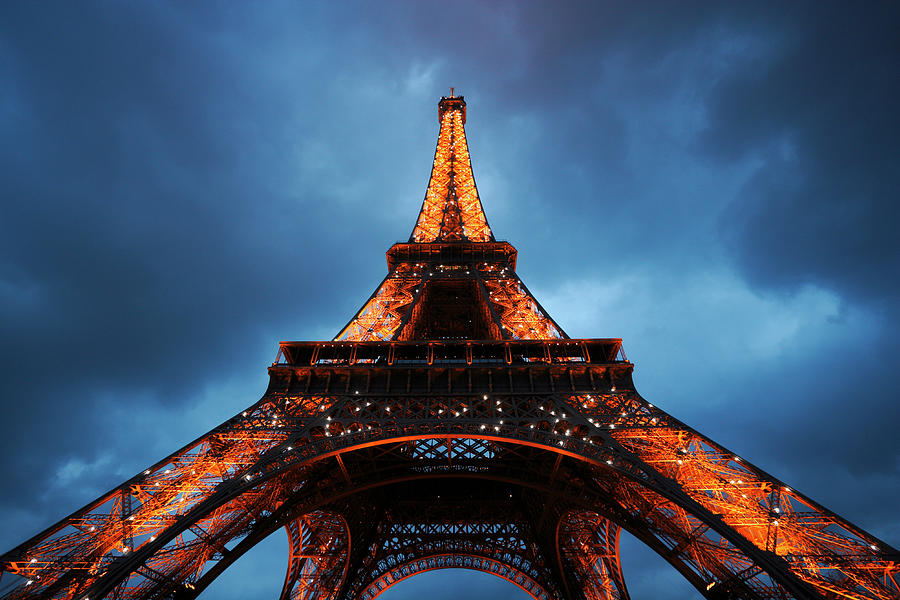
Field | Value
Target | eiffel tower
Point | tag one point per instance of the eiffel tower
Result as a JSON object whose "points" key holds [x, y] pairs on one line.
{"points": [[452, 423]]}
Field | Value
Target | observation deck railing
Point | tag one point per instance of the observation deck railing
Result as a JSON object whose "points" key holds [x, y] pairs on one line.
{"points": [[450, 353]]}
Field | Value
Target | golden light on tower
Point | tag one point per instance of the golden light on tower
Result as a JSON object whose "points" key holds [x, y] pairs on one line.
{"points": [[453, 424]]}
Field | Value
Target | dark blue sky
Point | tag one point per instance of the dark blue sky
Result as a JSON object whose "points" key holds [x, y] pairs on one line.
{"points": [[182, 185]]}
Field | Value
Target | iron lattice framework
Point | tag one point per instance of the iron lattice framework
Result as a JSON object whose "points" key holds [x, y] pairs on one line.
{"points": [[452, 423]]}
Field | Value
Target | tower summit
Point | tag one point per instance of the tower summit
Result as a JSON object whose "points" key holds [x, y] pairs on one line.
{"points": [[452, 424], [452, 280], [452, 210]]}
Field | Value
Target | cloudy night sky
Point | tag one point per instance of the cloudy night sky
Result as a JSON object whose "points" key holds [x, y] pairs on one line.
{"points": [[183, 185]]}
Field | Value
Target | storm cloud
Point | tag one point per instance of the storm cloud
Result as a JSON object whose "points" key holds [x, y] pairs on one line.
{"points": [[184, 185]]}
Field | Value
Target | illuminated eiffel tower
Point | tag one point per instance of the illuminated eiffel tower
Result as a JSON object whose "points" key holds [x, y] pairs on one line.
{"points": [[453, 424]]}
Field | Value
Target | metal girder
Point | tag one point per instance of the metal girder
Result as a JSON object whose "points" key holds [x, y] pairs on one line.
{"points": [[658, 477], [319, 552], [447, 528], [588, 550], [497, 444], [452, 210]]}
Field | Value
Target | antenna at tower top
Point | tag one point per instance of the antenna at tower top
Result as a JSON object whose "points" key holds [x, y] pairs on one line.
{"points": [[452, 102]]}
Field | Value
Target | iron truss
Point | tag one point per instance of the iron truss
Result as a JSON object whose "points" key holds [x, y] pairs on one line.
{"points": [[452, 423], [559, 422], [452, 210]]}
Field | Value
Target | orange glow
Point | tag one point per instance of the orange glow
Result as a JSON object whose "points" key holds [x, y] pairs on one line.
{"points": [[380, 317], [518, 312], [590, 544], [319, 556], [429, 406], [155, 499], [452, 210], [772, 516]]}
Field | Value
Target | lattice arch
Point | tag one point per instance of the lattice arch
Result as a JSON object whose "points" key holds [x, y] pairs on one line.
{"points": [[452, 386], [455, 561], [623, 487]]}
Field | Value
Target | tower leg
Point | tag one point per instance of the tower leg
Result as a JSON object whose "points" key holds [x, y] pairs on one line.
{"points": [[588, 547], [319, 552]]}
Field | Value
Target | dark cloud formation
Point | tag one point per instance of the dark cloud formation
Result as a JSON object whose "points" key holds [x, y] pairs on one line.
{"points": [[822, 209], [184, 185]]}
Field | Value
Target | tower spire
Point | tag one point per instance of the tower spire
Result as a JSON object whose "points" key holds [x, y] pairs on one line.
{"points": [[452, 210], [452, 384]]}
